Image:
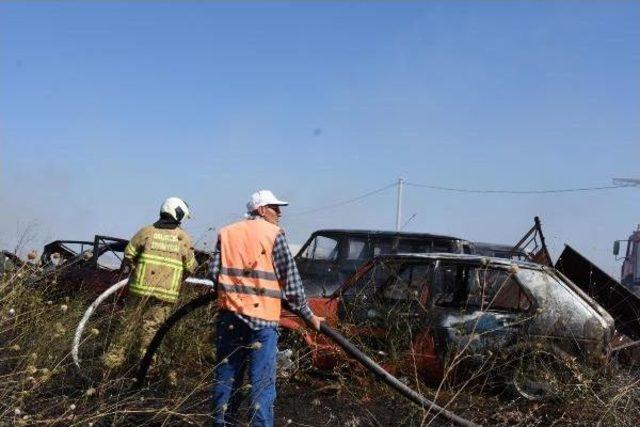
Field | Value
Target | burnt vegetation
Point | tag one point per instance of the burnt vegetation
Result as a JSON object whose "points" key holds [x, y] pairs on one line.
{"points": [[483, 376]]}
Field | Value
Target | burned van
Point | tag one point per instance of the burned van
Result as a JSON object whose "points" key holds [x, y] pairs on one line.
{"points": [[329, 257]]}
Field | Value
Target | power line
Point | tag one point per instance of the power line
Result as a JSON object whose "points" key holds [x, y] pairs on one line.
{"points": [[617, 184], [558, 190], [345, 202]]}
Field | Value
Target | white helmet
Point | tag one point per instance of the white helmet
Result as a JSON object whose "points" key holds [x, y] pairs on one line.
{"points": [[176, 208]]}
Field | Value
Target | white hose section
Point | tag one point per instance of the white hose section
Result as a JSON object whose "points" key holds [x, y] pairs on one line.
{"points": [[196, 281], [87, 314], [106, 294]]}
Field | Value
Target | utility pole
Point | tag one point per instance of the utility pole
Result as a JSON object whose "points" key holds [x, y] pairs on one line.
{"points": [[399, 206]]}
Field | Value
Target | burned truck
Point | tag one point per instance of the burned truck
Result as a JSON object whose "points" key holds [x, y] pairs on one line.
{"points": [[443, 315], [630, 272]]}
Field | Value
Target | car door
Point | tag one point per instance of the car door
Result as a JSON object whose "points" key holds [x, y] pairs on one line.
{"points": [[404, 298], [385, 310], [477, 309]]}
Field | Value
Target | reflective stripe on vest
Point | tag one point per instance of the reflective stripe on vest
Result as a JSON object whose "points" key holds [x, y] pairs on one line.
{"points": [[250, 290], [191, 263], [247, 282], [255, 274], [130, 251]]}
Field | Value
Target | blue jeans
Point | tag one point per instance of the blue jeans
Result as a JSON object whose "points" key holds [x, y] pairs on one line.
{"points": [[238, 346]]}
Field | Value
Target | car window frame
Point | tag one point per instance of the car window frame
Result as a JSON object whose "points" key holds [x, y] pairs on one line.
{"points": [[313, 243], [434, 300]]}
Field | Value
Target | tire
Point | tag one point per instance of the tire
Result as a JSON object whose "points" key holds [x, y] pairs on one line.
{"points": [[540, 372]]}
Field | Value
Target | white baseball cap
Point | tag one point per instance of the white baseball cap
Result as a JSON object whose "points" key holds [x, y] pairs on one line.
{"points": [[263, 198]]}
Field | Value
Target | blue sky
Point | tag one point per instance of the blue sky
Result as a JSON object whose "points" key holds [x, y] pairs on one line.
{"points": [[107, 108]]}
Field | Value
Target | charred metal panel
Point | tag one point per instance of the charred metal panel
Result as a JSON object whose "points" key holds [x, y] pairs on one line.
{"points": [[570, 320], [478, 331], [533, 245], [620, 302]]}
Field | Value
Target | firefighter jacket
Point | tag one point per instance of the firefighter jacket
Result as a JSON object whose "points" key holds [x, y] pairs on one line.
{"points": [[247, 282], [160, 255]]}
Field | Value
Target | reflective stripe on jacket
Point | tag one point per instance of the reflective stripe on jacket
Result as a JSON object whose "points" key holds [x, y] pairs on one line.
{"points": [[160, 255], [247, 282]]}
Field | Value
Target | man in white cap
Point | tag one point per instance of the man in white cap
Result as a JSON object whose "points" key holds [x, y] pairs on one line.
{"points": [[253, 270]]}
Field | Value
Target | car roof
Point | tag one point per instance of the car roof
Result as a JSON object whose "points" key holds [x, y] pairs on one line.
{"points": [[498, 247], [479, 259], [493, 246], [384, 233], [435, 256]]}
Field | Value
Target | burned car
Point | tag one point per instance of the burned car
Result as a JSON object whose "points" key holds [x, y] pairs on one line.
{"points": [[80, 264], [89, 265], [440, 314], [329, 257]]}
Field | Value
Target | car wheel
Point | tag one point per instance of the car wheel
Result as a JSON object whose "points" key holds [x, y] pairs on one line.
{"points": [[540, 373]]}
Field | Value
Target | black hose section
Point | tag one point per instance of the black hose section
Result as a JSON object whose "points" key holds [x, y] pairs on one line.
{"points": [[392, 381], [345, 344], [145, 362]]}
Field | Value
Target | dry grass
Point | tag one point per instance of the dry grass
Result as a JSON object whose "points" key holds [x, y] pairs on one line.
{"points": [[473, 383], [39, 385]]}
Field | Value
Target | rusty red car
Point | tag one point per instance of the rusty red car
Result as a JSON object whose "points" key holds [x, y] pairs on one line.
{"points": [[441, 314]]}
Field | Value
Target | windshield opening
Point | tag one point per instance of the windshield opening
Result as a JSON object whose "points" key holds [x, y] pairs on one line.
{"points": [[321, 248]]}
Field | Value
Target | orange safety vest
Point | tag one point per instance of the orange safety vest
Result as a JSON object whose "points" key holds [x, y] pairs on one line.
{"points": [[247, 283]]}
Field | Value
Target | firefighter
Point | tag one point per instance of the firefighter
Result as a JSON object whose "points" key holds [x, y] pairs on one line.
{"points": [[157, 256]]}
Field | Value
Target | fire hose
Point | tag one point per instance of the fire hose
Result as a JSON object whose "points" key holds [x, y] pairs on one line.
{"points": [[338, 338], [87, 314], [75, 349]]}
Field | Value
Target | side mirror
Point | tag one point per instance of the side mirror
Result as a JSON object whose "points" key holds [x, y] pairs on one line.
{"points": [[616, 247]]}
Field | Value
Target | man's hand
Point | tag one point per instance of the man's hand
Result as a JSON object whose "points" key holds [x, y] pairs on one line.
{"points": [[315, 321]]}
